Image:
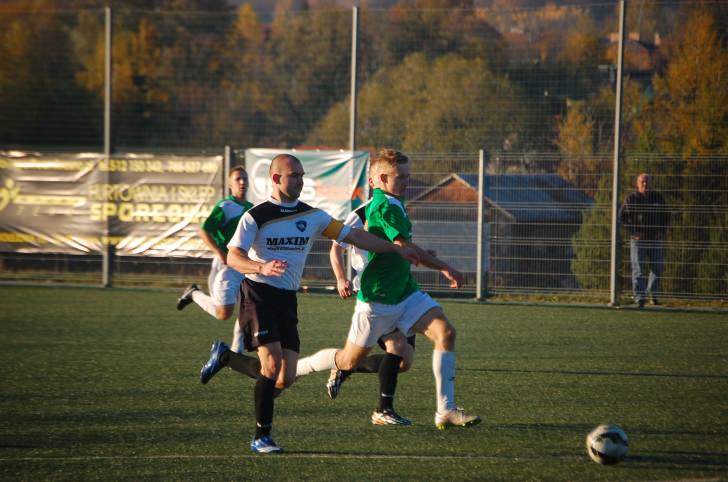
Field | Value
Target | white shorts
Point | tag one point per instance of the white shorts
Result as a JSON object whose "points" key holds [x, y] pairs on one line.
{"points": [[371, 321], [224, 283]]}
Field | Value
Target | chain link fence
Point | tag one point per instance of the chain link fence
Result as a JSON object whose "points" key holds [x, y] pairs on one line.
{"points": [[534, 88]]}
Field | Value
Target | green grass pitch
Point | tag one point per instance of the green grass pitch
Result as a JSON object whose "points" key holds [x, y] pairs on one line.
{"points": [[103, 385]]}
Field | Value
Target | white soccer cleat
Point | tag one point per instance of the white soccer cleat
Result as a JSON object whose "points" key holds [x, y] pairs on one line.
{"points": [[455, 418], [389, 417]]}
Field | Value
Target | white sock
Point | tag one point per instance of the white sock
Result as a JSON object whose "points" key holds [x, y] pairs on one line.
{"points": [[237, 345], [320, 361], [443, 367], [205, 302]]}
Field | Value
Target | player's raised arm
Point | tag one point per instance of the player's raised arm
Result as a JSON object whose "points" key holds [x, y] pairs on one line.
{"points": [[239, 260], [370, 242]]}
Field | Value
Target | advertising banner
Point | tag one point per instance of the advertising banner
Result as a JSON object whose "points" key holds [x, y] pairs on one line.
{"points": [[335, 181], [143, 204]]}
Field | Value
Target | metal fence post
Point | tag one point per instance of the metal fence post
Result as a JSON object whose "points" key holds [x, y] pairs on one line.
{"points": [[107, 247], [481, 276], [353, 95], [615, 247], [226, 166]]}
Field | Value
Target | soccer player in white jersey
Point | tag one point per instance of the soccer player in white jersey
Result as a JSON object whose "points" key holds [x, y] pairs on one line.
{"points": [[270, 246], [223, 281], [346, 288], [390, 294]]}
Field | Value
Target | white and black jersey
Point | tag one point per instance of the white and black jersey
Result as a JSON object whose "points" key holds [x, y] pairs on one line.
{"points": [[285, 231], [359, 257]]}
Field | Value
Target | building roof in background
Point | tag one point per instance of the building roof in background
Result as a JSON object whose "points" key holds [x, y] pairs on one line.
{"points": [[524, 197]]}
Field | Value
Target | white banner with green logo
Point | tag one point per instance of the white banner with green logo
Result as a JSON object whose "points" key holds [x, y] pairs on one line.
{"points": [[335, 181]]}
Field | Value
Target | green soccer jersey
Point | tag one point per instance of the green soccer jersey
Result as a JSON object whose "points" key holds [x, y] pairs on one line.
{"points": [[387, 278], [223, 220]]}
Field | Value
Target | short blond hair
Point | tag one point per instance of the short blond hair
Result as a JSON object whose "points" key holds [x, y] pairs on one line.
{"points": [[388, 158]]}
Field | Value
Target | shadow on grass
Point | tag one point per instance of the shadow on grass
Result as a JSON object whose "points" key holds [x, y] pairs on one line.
{"points": [[417, 456], [598, 373], [688, 460], [18, 446]]}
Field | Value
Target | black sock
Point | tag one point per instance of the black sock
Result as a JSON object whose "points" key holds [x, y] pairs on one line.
{"points": [[263, 393], [344, 373], [247, 365], [370, 364], [388, 371]]}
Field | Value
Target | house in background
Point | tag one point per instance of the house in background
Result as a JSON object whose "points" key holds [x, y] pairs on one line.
{"points": [[530, 220]]}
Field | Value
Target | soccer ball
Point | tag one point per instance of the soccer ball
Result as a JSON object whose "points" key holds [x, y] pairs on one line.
{"points": [[607, 444]]}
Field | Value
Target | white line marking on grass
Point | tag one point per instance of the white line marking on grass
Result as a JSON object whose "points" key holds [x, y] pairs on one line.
{"points": [[299, 455]]}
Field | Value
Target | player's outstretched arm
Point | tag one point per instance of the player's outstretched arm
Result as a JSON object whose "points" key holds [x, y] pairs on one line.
{"points": [[238, 259], [368, 241], [336, 257], [430, 260]]}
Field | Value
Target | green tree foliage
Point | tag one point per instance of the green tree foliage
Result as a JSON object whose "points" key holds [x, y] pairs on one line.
{"points": [[687, 122], [139, 89], [239, 90], [591, 243], [316, 45], [439, 27], [413, 106]]}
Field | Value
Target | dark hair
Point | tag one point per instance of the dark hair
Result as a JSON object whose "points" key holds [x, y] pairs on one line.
{"points": [[235, 169]]}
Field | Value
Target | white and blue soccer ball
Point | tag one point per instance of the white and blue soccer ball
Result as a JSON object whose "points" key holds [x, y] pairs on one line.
{"points": [[607, 444]]}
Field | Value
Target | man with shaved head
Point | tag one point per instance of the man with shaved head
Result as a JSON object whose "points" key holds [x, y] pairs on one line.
{"points": [[270, 247]]}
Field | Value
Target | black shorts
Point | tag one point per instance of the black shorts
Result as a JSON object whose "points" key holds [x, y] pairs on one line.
{"points": [[269, 315]]}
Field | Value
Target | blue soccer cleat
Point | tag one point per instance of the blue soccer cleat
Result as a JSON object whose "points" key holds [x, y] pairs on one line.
{"points": [[265, 445], [214, 364]]}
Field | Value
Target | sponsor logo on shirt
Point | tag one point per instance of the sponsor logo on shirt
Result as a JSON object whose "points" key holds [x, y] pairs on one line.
{"points": [[301, 225], [287, 243]]}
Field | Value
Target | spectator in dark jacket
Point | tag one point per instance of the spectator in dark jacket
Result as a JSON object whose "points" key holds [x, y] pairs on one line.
{"points": [[646, 218]]}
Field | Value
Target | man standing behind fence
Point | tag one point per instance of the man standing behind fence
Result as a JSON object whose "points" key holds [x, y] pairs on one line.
{"points": [[646, 218]]}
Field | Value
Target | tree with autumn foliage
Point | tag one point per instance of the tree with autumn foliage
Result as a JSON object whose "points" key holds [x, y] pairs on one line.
{"points": [[37, 77], [688, 123], [672, 135]]}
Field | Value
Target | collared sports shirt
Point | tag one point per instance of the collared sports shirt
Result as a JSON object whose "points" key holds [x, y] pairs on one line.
{"points": [[285, 231], [223, 220], [387, 278], [359, 257]]}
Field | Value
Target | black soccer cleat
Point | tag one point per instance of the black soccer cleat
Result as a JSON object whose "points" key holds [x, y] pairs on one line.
{"points": [[186, 297], [336, 378]]}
